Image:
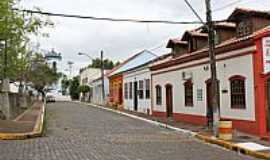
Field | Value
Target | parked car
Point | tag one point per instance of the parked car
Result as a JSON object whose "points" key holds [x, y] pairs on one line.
{"points": [[50, 98]]}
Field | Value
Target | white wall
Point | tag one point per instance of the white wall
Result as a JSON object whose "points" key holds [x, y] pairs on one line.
{"points": [[237, 66], [140, 74], [97, 90]]}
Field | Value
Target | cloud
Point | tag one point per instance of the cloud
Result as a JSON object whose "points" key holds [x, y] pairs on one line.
{"points": [[121, 40]]}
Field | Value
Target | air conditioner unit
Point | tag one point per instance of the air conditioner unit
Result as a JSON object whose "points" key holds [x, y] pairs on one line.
{"points": [[187, 75]]}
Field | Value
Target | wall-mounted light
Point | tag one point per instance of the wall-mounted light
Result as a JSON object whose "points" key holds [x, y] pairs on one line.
{"points": [[206, 68]]}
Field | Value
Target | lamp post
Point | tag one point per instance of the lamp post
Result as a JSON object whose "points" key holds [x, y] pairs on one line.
{"points": [[101, 71]]}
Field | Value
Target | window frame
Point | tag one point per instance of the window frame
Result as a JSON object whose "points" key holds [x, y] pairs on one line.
{"points": [[158, 94], [244, 28], [141, 89], [147, 88], [189, 98], [241, 93]]}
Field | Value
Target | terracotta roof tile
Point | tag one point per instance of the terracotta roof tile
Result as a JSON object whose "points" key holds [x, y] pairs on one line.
{"points": [[228, 42], [248, 11]]}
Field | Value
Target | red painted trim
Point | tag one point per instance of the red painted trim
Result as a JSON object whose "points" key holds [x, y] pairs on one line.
{"points": [[193, 119], [259, 87], [202, 54], [263, 34], [188, 83], [159, 114], [168, 85], [267, 75], [202, 63], [237, 77], [245, 126]]}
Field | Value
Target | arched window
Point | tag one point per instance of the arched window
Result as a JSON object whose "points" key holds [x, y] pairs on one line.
{"points": [[188, 93], [238, 92], [158, 95]]}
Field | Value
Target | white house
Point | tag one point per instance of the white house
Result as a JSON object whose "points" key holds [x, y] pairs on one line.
{"points": [[137, 92], [97, 90], [86, 77], [181, 87], [137, 84]]}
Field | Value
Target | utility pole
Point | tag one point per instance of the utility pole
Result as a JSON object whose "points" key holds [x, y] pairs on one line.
{"points": [[102, 76], [214, 81]]}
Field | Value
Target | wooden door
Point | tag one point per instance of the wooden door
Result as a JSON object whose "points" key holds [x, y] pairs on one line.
{"points": [[120, 94], [169, 100]]}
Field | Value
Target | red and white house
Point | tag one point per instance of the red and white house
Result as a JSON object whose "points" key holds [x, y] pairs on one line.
{"points": [[181, 86]]}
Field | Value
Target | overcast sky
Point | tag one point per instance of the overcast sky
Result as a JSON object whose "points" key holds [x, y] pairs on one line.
{"points": [[121, 40]]}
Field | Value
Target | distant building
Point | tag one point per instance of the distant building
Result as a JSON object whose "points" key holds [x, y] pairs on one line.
{"points": [[97, 90], [86, 77], [116, 77], [137, 86]]}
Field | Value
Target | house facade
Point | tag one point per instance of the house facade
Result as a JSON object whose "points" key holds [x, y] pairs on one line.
{"points": [[137, 87], [119, 78], [137, 92], [116, 91], [97, 91], [181, 87], [86, 77]]}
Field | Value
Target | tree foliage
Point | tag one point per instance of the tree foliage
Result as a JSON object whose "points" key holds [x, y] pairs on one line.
{"points": [[84, 89], [74, 88], [16, 28], [65, 83], [96, 63], [40, 74]]}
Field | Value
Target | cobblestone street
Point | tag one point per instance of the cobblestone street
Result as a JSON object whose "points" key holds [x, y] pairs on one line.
{"points": [[79, 132]]}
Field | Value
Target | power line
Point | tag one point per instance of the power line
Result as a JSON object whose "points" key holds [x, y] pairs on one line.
{"points": [[105, 18], [226, 6], [194, 11]]}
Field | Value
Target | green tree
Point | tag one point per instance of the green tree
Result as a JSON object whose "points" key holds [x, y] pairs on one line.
{"points": [[41, 75], [16, 28], [84, 89], [65, 83], [74, 88], [96, 63]]}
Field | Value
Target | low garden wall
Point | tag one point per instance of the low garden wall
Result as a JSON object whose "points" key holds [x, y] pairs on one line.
{"points": [[13, 104]]}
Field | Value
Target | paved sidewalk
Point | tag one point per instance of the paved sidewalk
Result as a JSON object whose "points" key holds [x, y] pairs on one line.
{"points": [[24, 123]]}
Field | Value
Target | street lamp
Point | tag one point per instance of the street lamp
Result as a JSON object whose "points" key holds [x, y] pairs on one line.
{"points": [[101, 70], [84, 54]]}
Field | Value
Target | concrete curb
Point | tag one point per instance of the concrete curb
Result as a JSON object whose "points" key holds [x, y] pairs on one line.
{"points": [[212, 140], [233, 147], [37, 131]]}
